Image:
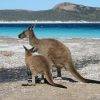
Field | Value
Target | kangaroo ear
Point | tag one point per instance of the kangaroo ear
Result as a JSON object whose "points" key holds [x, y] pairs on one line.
{"points": [[31, 27], [34, 49], [25, 48]]}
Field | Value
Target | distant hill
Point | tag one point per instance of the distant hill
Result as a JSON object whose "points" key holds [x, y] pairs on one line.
{"points": [[61, 12]]}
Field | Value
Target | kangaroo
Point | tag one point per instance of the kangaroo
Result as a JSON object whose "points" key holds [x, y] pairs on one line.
{"points": [[38, 64], [56, 53]]}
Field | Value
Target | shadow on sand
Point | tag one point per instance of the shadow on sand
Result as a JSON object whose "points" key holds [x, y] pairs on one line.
{"points": [[18, 74], [69, 79], [13, 74]]}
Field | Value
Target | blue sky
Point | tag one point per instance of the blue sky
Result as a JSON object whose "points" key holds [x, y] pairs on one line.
{"points": [[42, 4]]}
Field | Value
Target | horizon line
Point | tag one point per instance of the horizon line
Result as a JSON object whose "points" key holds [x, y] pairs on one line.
{"points": [[25, 9]]}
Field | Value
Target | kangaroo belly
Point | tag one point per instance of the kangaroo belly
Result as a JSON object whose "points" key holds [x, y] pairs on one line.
{"points": [[38, 64], [55, 59], [54, 51], [35, 69]]}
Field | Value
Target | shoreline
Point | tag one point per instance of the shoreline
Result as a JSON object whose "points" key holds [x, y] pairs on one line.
{"points": [[49, 22], [62, 39]]}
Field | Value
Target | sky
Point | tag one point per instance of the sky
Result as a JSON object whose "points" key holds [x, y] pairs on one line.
{"points": [[42, 4]]}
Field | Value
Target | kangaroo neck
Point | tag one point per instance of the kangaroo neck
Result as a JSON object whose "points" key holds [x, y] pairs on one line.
{"points": [[32, 39]]}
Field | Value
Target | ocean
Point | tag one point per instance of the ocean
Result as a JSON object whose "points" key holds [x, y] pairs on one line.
{"points": [[60, 31]]}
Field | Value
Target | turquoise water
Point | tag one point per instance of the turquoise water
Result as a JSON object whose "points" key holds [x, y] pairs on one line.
{"points": [[54, 30]]}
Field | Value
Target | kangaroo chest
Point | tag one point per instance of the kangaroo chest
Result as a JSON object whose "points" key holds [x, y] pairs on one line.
{"points": [[35, 65]]}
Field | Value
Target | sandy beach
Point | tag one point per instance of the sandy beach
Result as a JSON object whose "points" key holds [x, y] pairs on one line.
{"points": [[86, 57]]}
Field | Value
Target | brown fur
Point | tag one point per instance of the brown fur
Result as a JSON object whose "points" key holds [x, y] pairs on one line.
{"points": [[38, 64], [56, 53]]}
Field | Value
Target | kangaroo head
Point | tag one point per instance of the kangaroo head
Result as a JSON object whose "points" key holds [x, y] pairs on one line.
{"points": [[30, 51], [26, 33]]}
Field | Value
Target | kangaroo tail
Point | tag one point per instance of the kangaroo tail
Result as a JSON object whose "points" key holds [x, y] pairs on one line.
{"points": [[49, 78], [59, 85], [92, 81], [75, 73]]}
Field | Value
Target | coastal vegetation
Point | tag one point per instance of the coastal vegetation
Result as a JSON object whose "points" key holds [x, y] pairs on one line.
{"points": [[61, 12]]}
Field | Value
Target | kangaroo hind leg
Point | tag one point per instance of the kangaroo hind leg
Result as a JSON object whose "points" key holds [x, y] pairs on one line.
{"points": [[58, 72]]}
